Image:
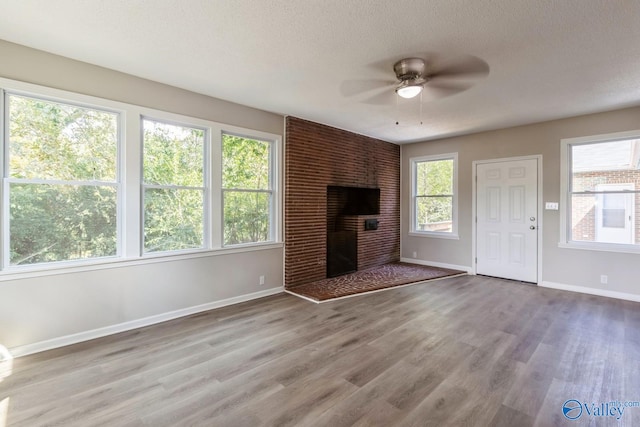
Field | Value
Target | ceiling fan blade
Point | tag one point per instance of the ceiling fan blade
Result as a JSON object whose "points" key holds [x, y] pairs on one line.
{"points": [[463, 67], [386, 97], [350, 88], [436, 90]]}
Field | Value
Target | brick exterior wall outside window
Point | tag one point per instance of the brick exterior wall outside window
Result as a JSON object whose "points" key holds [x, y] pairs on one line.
{"points": [[584, 206]]}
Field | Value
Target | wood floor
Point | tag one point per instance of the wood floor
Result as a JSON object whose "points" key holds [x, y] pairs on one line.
{"points": [[462, 351]]}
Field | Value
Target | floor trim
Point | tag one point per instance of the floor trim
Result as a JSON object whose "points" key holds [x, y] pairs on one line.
{"points": [[591, 291], [37, 347]]}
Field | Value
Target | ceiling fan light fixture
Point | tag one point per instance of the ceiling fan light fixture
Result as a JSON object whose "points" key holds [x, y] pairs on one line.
{"points": [[408, 90]]}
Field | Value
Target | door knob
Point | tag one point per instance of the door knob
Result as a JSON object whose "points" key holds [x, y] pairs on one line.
{"points": [[533, 227]]}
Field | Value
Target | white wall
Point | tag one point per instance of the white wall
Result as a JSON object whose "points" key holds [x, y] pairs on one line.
{"points": [[561, 267], [55, 309]]}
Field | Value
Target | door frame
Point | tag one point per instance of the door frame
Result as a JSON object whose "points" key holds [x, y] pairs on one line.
{"points": [[474, 212]]}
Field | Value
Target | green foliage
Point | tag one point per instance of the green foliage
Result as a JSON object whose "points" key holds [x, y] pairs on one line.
{"points": [[246, 166], [433, 210], [173, 155], [434, 178], [61, 222], [48, 140], [245, 163], [173, 218], [434, 185]]}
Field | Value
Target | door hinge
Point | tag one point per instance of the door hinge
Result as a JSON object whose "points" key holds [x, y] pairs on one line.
{"points": [[476, 260]]}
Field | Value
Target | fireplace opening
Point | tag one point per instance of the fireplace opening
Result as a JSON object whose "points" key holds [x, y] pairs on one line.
{"points": [[344, 205]]}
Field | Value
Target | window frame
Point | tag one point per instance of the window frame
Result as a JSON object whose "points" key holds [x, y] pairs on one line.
{"points": [[566, 193], [273, 182], [5, 93], [413, 231], [129, 173]]}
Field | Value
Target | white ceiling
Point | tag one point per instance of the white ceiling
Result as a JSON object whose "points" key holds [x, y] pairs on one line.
{"points": [[547, 58]]}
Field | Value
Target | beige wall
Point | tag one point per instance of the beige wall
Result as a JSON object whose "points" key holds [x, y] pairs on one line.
{"points": [[50, 310], [562, 266]]}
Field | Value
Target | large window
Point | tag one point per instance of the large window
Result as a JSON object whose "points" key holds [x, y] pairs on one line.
{"points": [[602, 181], [174, 186], [88, 181], [61, 181], [434, 188], [247, 182]]}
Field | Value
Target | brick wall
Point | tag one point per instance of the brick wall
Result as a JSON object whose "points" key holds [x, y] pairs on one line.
{"points": [[317, 156]]}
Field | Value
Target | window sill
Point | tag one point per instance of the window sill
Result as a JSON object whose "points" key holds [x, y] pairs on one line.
{"points": [[437, 235], [601, 247], [42, 270]]}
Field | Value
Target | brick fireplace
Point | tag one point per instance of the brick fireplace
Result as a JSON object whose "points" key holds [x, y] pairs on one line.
{"points": [[318, 157]]}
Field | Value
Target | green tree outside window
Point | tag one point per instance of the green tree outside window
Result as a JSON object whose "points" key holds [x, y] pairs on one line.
{"points": [[247, 190]]}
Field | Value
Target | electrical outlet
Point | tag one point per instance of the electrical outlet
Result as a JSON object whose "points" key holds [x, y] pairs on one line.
{"points": [[261, 280], [415, 255], [604, 279]]}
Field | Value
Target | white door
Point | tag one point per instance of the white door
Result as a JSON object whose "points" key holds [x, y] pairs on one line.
{"points": [[614, 214], [507, 219]]}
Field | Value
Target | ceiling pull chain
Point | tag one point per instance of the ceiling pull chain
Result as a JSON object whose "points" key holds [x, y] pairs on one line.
{"points": [[397, 113], [421, 107]]}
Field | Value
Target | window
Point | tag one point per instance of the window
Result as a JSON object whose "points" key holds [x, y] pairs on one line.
{"points": [[602, 181], [61, 183], [174, 186], [92, 182], [434, 201], [247, 181]]}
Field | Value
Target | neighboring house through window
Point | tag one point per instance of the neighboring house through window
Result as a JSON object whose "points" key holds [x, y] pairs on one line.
{"points": [[601, 181]]}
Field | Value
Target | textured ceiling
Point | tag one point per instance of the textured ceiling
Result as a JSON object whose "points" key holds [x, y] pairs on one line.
{"points": [[314, 58]]}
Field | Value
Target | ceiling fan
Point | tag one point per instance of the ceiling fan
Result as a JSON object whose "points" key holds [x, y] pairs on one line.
{"points": [[415, 75]]}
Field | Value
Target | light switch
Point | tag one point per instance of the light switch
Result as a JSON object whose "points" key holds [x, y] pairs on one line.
{"points": [[551, 206]]}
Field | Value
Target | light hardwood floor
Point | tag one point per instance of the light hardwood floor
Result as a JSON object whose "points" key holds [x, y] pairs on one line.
{"points": [[462, 351]]}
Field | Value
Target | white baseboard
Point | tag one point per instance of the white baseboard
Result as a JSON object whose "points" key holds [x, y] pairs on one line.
{"points": [[134, 324], [467, 269], [591, 291]]}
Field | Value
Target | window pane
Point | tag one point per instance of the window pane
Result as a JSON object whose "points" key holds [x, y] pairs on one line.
{"points": [[61, 222], [605, 218], [434, 178], [614, 218], [246, 217], [173, 155], [173, 219], [49, 140], [596, 165], [245, 163], [434, 214]]}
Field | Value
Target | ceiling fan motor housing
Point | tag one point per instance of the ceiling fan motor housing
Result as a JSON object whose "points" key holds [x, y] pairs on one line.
{"points": [[409, 69]]}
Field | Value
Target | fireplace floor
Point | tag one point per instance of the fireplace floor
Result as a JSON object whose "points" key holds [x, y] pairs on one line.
{"points": [[370, 280]]}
